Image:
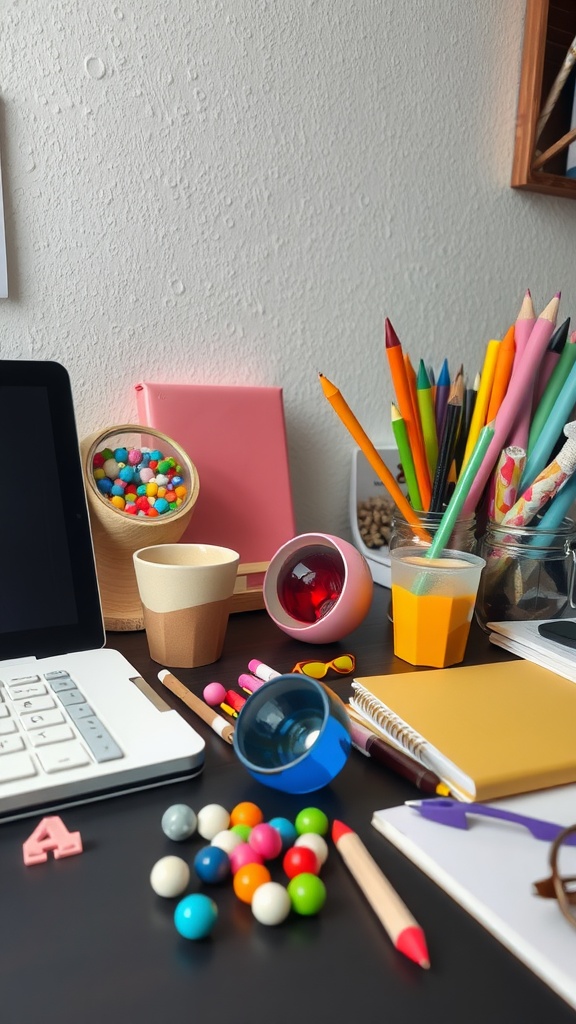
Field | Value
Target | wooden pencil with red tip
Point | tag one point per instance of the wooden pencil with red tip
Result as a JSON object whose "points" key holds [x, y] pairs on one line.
{"points": [[405, 933]]}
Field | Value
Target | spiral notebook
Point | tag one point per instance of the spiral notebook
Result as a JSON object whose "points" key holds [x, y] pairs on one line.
{"points": [[488, 731]]}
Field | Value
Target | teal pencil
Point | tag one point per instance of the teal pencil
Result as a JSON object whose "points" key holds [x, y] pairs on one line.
{"points": [[405, 453], [552, 390], [425, 398]]}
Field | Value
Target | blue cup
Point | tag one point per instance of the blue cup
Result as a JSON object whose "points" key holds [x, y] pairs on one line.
{"points": [[293, 734]]}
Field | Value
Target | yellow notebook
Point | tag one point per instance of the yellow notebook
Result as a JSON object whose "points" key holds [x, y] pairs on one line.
{"points": [[488, 731]]}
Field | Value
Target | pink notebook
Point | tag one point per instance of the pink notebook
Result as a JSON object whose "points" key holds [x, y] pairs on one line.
{"points": [[236, 438]]}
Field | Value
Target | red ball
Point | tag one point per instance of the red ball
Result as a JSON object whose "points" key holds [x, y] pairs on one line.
{"points": [[300, 860]]}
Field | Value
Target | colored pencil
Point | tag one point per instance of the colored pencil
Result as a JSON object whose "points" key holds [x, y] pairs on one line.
{"points": [[406, 460], [551, 430], [525, 321], [552, 390], [468, 404], [447, 444], [347, 417], [546, 484], [483, 397], [395, 357], [520, 383], [442, 394], [204, 711], [427, 417], [550, 360], [461, 492], [406, 934], [502, 374]]}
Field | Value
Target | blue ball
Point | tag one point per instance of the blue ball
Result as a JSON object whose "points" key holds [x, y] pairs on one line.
{"points": [[195, 916], [287, 831], [212, 864], [121, 454], [161, 505], [126, 474], [104, 485]]}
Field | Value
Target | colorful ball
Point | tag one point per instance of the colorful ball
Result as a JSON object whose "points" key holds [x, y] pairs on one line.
{"points": [[271, 903], [286, 829], [314, 842], [242, 830], [212, 818], [311, 819], [169, 876], [307, 894], [195, 916], [300, 860], [243, 854], [214, 694], [179, 822], [212, 864], [246, 813], [248, 879], [227, 840], [266, 840]]}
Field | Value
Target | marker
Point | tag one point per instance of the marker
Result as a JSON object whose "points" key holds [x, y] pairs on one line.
{"points": [[250, 683], [212, 718], [423, 778], [407, 936], [262, 671]]}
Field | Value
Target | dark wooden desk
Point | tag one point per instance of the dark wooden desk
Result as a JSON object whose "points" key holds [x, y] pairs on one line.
{"points": [[86, 941]]}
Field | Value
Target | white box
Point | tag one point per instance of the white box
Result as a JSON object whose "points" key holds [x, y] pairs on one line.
{"points": [[366, 484]]}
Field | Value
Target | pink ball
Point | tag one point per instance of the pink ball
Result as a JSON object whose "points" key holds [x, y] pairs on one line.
{"points": [[214, 694], [266, 840], [243, 854]]}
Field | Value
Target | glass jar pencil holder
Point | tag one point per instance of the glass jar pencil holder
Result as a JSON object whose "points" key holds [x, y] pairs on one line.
{"points": [[462, 538], [529, 574]]}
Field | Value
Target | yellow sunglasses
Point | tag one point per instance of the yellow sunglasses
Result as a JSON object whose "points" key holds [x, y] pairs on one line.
{"points": [[343, 664]]}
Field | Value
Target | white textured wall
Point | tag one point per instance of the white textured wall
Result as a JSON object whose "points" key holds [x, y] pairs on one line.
{"points": [[239, 191]]}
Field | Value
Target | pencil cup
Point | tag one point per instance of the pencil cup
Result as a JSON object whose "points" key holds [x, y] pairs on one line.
{"points": [[433, 604], [318, 588], [462, 538], [529, 574], [186, 593], [293, 734], [117, 534]]}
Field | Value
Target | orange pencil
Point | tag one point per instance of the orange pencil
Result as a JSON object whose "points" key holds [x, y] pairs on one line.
{"points": [[401, 386], [405, 933], [345, 414], [503, 372]]}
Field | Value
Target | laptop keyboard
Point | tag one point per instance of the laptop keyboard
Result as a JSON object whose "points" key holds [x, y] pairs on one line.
{"points": [[47, 726]]}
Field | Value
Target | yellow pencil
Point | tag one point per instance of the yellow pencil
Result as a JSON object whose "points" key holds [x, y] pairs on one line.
{"points": [[482, 398]]}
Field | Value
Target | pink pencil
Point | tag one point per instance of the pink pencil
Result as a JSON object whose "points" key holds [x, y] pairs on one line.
{"points": [[525, 322], [520, 385]]}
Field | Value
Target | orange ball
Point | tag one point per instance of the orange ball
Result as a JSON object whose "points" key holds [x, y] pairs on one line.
{"points": [[248, 879], [246, 813]]}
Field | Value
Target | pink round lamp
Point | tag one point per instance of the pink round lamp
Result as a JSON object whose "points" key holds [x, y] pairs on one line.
{"points": [[318, 588]]}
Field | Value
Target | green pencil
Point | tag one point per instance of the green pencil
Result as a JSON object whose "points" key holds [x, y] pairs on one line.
{"points": [[405, 453], [425, 400]]}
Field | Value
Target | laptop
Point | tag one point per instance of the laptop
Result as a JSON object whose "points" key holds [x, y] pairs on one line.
{"points": [[77, 722]]}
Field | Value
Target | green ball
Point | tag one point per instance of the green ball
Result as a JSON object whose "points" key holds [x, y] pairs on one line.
{"points": [[307, 894], [311, 819], [242, 830]]}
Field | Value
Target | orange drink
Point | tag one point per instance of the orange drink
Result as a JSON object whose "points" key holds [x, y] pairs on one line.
{"points": [[433, 601]]}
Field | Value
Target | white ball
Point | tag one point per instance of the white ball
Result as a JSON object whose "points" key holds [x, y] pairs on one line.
{"points": [[271, 903], [169, 876], [314, 842], [226, 840], [212, 818]]}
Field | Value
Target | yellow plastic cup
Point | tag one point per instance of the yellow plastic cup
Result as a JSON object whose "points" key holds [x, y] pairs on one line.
{"points": [[433, 600]]}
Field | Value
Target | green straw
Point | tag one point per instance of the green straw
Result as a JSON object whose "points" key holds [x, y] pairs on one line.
{"points": [[460, 493]]}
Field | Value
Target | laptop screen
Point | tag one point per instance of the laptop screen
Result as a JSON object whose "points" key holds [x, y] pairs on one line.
{"points": [[49, 601]]}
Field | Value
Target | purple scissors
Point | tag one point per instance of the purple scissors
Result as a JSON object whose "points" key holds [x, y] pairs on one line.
{"points": [[446, 811]]}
